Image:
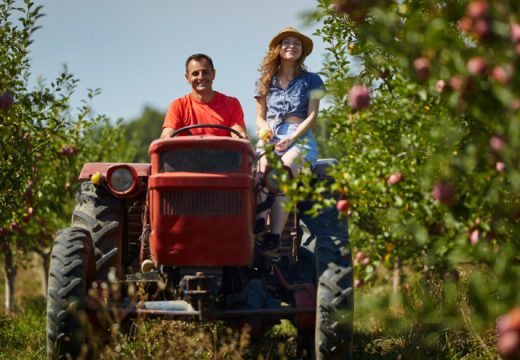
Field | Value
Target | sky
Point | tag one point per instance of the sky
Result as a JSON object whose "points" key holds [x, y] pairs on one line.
{"points": [[135, 50]]}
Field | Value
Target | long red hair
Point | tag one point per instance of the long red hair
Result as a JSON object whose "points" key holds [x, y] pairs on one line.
{"points": [[271, 64]]}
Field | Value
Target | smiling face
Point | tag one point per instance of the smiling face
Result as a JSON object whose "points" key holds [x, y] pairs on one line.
{"points": [[200, 74], [291, 48]]}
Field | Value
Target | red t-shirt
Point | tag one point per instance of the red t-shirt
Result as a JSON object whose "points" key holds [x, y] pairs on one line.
{"points": [[221, 110]]}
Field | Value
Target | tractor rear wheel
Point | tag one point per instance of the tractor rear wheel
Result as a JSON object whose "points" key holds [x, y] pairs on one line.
{"points": [[325, 245], [71, 271], [102, 215], [333, 338]]}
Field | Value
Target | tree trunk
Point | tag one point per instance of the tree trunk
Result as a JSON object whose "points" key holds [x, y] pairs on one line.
{"points": [[45, 258], [396, 276], [10, 274]]}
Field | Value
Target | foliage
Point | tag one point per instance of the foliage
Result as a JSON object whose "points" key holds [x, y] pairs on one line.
{"points": [[431, 166], [143, 130], [44, 141]]}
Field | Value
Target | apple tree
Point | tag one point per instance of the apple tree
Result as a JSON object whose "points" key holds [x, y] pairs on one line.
{"points": [[44, 144], [423, 115]]}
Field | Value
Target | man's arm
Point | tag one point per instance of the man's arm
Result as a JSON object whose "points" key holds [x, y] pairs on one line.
{"points": [[239, 123], [173, 119], [240, 129], [167, 132]]}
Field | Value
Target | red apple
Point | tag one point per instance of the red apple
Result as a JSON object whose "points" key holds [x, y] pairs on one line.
{"points": [[508, 345], [508, 334], [16, 227], [510, 321], [384, 74], [395, 178], [497, 143], [478, 9], [457, 82], [359, 97], [514, 33], [500, 166], [356, 9], [360, 255], [500, 74], [67, 151], [465, 24], [482, 29], [358, 283], [422, 68], [474, 237], [343, 205], [440, 86], [6, 101], [477, 66], [443, 192]]}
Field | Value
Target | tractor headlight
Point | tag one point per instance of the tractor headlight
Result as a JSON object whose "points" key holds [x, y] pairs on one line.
{"points": [[121, 179]]}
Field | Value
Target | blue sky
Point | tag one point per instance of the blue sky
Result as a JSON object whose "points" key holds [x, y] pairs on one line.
{"points": [[135, 50]]}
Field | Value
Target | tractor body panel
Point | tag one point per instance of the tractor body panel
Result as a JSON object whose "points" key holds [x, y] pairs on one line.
{"points": [[201, 201]]}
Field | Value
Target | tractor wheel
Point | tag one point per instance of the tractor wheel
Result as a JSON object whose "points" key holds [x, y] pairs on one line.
{"points": [[334, 315], [70, 274], [102, 215], [325, 245]]}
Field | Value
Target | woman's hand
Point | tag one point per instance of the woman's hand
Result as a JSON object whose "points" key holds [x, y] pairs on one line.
{"points": [[283, 144]]}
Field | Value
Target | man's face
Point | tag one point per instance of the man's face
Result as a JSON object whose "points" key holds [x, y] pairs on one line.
{"points": [[200, 75]]}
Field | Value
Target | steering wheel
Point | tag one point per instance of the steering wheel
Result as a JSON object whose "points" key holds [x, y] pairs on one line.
{"points": [[214, 126]]}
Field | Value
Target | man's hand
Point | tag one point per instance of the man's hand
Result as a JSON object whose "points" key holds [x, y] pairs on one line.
{"points": [[240, 130]]}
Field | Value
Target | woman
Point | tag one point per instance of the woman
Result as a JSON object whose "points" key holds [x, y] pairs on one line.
{"points": [[287, 104]]}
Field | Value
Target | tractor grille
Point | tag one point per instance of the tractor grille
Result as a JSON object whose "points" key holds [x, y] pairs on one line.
{"points": [[202, 203]]}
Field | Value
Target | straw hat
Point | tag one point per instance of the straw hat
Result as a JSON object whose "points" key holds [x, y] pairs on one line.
{"points": [[289, 31]]}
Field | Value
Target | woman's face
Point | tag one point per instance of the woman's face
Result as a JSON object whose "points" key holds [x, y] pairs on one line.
{"points": [[291, 48]]}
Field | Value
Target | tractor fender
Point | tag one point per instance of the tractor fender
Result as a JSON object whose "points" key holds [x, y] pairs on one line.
{"points": [[142, 169]]}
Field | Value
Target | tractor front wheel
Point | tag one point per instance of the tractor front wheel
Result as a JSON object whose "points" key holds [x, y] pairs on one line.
{"points": [[71, 271]]}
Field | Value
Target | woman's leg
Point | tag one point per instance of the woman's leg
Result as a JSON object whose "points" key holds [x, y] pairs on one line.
{"points": [[262, 195], [292, 159]]}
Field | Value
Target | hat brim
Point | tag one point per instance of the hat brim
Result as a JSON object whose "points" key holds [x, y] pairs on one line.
{"points": [[306, 41]]}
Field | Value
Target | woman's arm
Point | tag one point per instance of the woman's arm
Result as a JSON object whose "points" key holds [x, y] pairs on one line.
{"points": [[261, 113], [305, 125], [310, 120]]}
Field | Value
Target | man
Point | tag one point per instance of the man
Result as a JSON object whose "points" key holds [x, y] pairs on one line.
{"points": [[203, 105]]}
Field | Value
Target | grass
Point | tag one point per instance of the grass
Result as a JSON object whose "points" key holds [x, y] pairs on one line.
{"points": [[382, 331]]}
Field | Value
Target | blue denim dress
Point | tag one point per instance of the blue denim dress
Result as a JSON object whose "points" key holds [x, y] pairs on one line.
{"points": [[293, 101]]}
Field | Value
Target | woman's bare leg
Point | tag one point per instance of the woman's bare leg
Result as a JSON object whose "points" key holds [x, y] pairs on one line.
{"points": [[262, 196], [279, 216]]}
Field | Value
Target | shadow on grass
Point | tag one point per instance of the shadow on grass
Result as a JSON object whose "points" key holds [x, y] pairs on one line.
{"points": [[420, 343]]}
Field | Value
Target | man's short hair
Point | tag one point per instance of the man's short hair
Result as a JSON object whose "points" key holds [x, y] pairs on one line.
{"points": [[199, 57]]}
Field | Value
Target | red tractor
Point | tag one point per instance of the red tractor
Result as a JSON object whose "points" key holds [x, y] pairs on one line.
{"points": [[190, 214]]}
